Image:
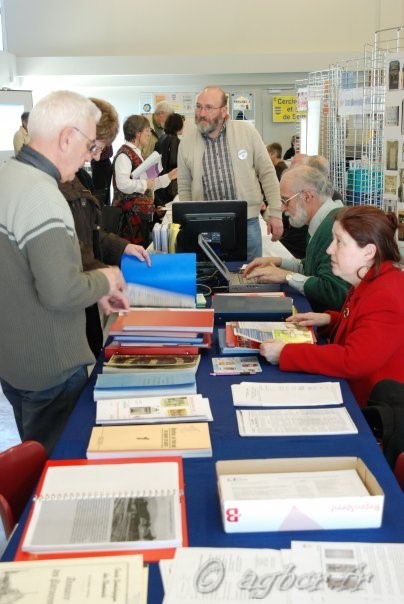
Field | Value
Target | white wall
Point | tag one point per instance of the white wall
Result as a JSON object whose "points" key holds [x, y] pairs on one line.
{"points": [[118, 50]]}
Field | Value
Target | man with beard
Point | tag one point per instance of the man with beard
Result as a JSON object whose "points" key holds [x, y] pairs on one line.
{"points": [[305, 195], [227, 159]]}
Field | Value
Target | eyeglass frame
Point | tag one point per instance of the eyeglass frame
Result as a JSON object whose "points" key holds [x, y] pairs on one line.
{"points": [[93, 148], [285, 202], [207, 108]]}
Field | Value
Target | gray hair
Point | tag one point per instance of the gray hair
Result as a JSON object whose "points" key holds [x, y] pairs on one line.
{"points": [[163, 107], [303, 177], [321, 163], [59, 110]]}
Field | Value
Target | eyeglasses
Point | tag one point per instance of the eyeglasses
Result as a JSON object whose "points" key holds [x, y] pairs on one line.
{"points": [[93, 148], [285, 202], [207, 108]]}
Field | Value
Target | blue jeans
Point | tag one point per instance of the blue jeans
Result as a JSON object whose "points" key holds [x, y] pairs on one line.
{"points": [[42, 415], [254, 239]]}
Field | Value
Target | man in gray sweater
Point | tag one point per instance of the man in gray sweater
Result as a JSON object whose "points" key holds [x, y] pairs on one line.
{"points": [[44, 291]]}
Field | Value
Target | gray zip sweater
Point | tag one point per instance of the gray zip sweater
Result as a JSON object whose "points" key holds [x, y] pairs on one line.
{"points": [[43, 290]]}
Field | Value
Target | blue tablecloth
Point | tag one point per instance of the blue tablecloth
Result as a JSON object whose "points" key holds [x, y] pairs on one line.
{"points": [[203, 514]]}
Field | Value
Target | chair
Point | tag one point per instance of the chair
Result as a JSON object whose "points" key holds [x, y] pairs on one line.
{"points": [[399, 470], [20, 468]]}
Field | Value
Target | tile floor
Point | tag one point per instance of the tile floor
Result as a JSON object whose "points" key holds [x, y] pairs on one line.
{"points": [[8, 437]]}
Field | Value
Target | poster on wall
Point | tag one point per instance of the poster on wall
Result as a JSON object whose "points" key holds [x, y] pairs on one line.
{"points": [[182, 103], [284, 109]]}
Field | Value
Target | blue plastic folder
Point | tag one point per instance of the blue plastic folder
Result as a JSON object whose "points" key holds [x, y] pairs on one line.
{"points": [[169, 282]]}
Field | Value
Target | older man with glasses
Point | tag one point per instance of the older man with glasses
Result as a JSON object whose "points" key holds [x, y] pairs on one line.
{"points": [[305, 195], [226, 159], [44, 351]]}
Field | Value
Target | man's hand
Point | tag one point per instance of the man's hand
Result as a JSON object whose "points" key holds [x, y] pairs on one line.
{"points": [[269, 274], [261, 263], [275, 227], [115, 278], [138, 251], [113, 302]]}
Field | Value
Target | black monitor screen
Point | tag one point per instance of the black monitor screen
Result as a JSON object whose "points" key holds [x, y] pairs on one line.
{"points": [[222, 223]]}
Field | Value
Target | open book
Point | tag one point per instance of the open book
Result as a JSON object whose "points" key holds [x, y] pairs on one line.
{"points": [[90, 506]]}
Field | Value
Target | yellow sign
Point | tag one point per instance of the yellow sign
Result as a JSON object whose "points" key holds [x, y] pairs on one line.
{"points": [[284, 109]]}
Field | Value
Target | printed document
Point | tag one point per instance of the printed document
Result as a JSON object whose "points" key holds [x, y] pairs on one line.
{"points": [[294, 422], [290, 394]]}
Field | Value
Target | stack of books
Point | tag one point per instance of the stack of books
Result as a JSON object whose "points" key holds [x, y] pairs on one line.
{"points": [[246, 337], [158, 331]]}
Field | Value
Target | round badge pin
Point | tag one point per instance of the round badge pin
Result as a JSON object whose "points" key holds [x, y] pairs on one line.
{"points": [[242, 154]]}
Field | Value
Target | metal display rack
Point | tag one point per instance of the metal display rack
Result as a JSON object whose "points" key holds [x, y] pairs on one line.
{"points": [[352, 118]]}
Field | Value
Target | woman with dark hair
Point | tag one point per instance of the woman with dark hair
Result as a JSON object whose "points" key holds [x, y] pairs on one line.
{"points": [[167, 146], [136, 195], [366, 338], [98, 248]]}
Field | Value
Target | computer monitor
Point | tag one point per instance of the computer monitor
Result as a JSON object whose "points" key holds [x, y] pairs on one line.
{"points": [[222, 223]]}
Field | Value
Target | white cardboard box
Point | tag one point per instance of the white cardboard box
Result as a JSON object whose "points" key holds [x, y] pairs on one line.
{"points": [[254, 512]]}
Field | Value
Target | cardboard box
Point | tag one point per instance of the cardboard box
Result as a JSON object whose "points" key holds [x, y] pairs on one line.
{"points": [[254, 513]]}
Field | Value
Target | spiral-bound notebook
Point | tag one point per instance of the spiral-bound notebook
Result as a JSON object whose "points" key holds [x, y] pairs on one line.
{"points": [[95, 507]]}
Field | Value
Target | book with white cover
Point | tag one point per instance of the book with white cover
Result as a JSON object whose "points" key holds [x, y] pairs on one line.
{"points": [[85, 506], [106, 579], [151, 409]]}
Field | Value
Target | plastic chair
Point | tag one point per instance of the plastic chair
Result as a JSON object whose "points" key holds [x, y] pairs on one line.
{"points": [[399, 470], [20, 469]]}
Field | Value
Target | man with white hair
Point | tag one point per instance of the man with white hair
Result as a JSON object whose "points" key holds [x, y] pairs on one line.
{"points": [[44, 351], [305, 195], [161, 112]]}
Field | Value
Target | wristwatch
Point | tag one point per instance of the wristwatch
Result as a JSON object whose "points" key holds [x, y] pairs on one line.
{"points": [[295, 277]]}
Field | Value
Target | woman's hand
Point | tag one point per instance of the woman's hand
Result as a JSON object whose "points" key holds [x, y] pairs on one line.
{"points": [[271, 350], [138, 250], [173, 174], [308, 319]]}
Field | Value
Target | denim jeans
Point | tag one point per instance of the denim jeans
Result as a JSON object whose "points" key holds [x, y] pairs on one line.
{"points": [[42, 415]]}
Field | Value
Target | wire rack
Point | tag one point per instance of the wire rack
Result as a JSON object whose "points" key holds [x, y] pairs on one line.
{"points": [[352, 117]]}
